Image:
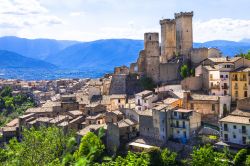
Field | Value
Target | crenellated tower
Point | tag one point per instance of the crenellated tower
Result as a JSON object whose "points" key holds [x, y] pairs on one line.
{"points": [[168, 39], [184, 32]]}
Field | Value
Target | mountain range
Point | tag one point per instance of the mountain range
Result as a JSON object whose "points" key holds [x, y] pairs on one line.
{"points": [[10, 59], [100, 54]]}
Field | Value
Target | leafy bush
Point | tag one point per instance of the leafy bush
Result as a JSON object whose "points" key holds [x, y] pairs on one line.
{"points": [[240, 157], [147, 83]]}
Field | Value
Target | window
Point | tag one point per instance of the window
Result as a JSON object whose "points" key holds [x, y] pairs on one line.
{"points": [[177, 123], [225, 127], [178, 131], [213, 107], [175, 113], [234, 136], [162, 121], [225, 92], [236, 93], [119, 100], [226, 76], [185, 134], [245, 93], [235, 127], [244, 129], [211, 76], [244, 140], [183, 124], [244, 77], [225, 137], [192, 106], [221, 76]]}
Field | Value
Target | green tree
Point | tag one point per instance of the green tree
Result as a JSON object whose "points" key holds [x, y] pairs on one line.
{"points": [[168, 158], [241, 157], [147, 83], [184, 71], [91, 147], [38, 147], [247, 55], [7, 91], [207, 156], [248, 160], [155, 156]]}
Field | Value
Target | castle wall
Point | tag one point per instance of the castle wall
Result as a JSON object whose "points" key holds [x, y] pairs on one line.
{"points": [[121, 70], [141, 62], [184, 32], [214, 53], [169, 72], [118, 84], [197, 55], [192, 83], [168, 39]]}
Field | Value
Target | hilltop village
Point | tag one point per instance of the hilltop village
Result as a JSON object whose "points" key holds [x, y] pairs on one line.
{"points": [[174, 96]]}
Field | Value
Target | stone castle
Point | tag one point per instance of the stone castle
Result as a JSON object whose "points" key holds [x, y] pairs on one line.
{"points": [[162, 61]]}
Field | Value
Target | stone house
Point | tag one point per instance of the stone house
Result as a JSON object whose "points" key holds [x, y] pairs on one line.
{"points": [[120, 133], [184, 123], [145, 100], [235, 128], [94, 109], [161, 115], [113, 116], [208, 106], [240, 83], [117, 102], [69, 103]]}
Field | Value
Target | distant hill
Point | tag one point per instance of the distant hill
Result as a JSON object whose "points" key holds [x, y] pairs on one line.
{"points": [[245, 40], [229, 48], [100, 54], [33, 48], [13, 60]]}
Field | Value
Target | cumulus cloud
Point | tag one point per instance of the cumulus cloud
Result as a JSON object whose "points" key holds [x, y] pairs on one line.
{"points": [[23, 7], [223, 28], [20, 14]]}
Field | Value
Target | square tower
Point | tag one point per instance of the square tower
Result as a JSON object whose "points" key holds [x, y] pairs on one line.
{"points": [[184, 32], [168, 39], [152, 55]]}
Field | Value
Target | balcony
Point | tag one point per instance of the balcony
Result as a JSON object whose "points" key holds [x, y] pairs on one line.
{"points": [[215, 87], [245, 88], [180, 117], [178, 126], [236, 87]]}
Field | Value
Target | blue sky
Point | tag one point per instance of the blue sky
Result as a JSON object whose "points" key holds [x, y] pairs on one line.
{"points": [[87, 20]]}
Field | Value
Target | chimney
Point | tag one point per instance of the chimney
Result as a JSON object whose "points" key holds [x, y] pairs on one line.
{"points": [[227, 58]]}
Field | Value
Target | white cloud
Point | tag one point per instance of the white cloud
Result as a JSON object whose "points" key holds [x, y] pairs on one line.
{"points": [[16, 15], [223, 28], [21, 7]]}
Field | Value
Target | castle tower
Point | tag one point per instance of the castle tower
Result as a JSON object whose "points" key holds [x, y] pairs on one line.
{"points": [[184, 32], [152, 58], [168, 39]]}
